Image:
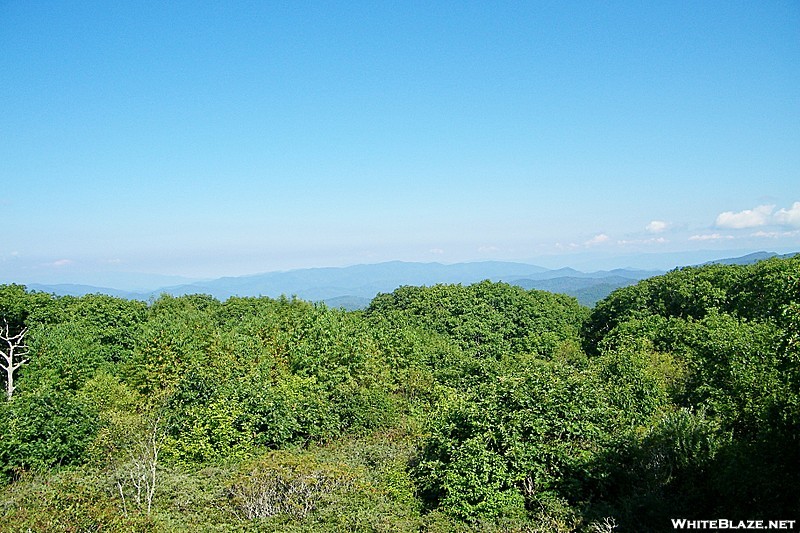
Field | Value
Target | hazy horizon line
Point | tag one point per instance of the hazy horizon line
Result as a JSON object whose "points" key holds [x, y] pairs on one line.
{"points": [[131, 281]]}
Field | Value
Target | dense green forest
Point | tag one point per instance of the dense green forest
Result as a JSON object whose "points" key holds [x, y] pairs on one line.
{"points": [[444, 408]]}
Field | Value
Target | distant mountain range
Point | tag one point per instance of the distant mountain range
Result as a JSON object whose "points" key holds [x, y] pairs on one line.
{"points": [[354, 287], [749, 259]]}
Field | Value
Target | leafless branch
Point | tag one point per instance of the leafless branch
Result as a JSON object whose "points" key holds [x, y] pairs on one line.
{"points": [[13, 354], [139, 475]]}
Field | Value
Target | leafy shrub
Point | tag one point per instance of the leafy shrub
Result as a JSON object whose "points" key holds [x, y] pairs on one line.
{"points": [[524, 439], [295, 410], [66, 500], [44, 428], [489, 320], [63, 356], [665, 472]]}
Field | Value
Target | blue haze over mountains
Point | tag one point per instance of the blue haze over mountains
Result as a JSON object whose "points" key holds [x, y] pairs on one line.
{"points": [[353, 287]]}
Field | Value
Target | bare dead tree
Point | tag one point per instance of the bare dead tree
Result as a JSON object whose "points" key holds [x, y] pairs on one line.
{"points": [[138, 475], [269, 491], [13, 352], [608, 525]]}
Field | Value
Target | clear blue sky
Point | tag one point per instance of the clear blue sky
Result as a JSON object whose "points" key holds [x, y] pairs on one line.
{"points": [[225, 138]]}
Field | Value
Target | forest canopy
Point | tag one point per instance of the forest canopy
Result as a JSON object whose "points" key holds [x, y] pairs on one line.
{"points": [[439, 408]]}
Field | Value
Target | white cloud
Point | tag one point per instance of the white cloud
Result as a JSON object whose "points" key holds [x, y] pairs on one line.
{"points": [[749, 218], [789, 217], [597, 239], [657, 226], [62, 262], [437, 251], [710, 237], [766, 234], [569, 246], [775, 234], [485, 249], [652, 240]]}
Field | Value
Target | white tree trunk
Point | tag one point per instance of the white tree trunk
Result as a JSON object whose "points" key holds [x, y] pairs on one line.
{"points": [[12, 354]]}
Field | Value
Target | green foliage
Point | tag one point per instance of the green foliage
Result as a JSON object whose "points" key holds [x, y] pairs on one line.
{"points": [[489, 320], [446, 408], [727, 339], [688, 293], [205, 433], [42, 429], [62, 356], [754, 292], [288, 373], [75, 500], [294, 410], [766, 288], [179, 333], [339, 352], [17, 305], [665, 472], [641, 382], [116, 406], [521, 440], [735, 371]]}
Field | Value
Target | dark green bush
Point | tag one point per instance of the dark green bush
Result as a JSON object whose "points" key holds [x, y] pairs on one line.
{"points": [[44, 428]]}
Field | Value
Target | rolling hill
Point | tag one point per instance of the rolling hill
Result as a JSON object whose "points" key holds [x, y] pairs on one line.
{"points": [[353, 287]]}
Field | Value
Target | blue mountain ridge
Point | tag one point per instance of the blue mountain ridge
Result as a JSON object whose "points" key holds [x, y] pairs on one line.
{"points": [[353, 287]]}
